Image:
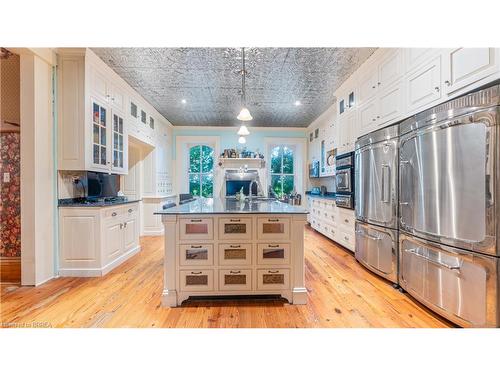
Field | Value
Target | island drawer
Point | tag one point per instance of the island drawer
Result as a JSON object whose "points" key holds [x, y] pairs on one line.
{"points": [[197, 229], [231, 254], [196, 255], [273, 253], [273, 228], [197, 280], [273, 279], [235, 279], [235, 228]]}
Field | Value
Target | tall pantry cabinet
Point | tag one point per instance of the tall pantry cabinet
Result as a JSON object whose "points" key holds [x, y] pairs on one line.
{"points": [[91, 115]]}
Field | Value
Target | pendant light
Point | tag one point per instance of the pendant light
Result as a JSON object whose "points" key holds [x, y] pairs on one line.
{"points": [[244, 113], [243, 130], [242, 140]]}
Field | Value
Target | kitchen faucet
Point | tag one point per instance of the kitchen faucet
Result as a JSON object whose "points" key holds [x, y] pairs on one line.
{"points": [[250, 195]]}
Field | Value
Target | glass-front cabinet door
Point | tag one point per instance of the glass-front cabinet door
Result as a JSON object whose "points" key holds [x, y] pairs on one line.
{"points": [[119, 140], [99, 135]]}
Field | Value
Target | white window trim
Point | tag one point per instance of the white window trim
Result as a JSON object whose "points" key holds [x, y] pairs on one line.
{"points": [[300, 160], [201, 173], [182, 145]]}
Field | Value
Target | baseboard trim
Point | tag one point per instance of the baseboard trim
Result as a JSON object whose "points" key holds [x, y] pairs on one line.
{"points": [[10, 270], [153, 233], [98, 272]]}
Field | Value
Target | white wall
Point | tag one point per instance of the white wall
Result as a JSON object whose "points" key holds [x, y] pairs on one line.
{"points": [[38, 209]]}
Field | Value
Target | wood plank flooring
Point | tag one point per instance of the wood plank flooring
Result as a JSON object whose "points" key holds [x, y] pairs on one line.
{"points": [[341, 294]]}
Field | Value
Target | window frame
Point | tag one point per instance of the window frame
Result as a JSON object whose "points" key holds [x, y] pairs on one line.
{"points": [[282, 174], [200, 173]]}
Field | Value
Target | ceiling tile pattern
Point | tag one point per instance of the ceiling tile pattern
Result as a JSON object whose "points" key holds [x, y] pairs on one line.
{"points": [[209, 80]]}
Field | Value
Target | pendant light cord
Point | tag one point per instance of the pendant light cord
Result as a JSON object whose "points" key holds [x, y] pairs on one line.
{"points": [[243, 73]]}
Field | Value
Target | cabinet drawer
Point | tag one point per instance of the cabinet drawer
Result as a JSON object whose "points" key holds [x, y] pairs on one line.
{"points": [[235, 228], [196, 255], [235, 279], [197, 229], [235, 254], [346, 221], [273, 279], [273, 228], [197, 280], [114, 213], [345, 238], [273, 253]]}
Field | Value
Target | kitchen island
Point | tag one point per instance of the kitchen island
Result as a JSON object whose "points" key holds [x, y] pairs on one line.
{"points": [[221, 247]]}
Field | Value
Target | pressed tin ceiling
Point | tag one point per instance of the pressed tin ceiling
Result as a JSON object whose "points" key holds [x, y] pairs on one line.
{"points": [[209, 80]]}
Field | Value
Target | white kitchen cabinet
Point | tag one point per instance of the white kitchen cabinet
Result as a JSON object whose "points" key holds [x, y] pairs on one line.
{"points": [[418, 56], [390, 68], [465, 66], [423, 86], [89, 106], [368, 113], [94, 240], [368, 86], [347, 132], [390, 103]]}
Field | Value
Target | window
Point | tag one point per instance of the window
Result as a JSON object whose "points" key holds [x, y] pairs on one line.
{"points": [[201, 165], [282, 170]]}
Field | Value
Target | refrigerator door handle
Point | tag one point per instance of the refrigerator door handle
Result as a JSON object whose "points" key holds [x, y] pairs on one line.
{"points": [[386, 183], [368, 236], [435, 262]]}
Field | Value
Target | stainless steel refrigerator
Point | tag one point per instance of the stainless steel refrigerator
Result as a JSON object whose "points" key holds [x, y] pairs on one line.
{"points": [[376, 197], [449, 209]]}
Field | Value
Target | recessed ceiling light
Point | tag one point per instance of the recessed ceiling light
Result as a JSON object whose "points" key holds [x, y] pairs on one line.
{"points": [[297, 103], [183, 101]]}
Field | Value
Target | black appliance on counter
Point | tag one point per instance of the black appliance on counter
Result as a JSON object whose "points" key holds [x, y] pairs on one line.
{"points": [[344, 180], [102, 185], [314, 169]]}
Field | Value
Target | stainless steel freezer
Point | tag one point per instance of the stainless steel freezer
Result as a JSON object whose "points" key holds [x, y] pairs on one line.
{"points": [[376, 197], [448, 191]]}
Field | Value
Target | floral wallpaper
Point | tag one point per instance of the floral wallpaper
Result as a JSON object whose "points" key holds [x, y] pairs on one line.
{"points": [[10, 204]]}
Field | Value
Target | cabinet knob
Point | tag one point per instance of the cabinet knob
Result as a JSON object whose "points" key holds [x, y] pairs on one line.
{"points": [[129, 210], [378, 83], [373, 87], [113, 214], [121, 226], [448, 83], [436, 88]]}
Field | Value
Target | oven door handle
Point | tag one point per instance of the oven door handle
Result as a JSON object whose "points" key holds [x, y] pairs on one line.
{"points": [[435, 262]]}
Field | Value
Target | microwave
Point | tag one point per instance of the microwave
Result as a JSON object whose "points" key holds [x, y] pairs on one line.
{"points": [[314, 169]]}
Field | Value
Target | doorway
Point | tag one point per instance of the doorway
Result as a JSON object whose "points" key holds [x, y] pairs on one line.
{"points": [[10, 168]]}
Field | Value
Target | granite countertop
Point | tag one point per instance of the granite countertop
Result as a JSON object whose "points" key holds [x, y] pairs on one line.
{"points": [[231, 206], [78, 203], [329, 195]]}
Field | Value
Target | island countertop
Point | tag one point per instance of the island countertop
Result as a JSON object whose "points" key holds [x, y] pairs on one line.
{"points": [[216, 206]]}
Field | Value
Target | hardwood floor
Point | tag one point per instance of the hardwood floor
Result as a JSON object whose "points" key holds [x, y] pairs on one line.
{"points": [[341, 294]]}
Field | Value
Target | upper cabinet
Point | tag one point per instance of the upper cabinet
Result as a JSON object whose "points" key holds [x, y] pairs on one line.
{"points": [[396, 83], [465, 66], [97, 112]]}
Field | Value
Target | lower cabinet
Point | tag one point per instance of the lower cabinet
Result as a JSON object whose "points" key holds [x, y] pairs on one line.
{"points": [[94, 240], [235, 279], [273, 279], [333, 222], [197, 280]]}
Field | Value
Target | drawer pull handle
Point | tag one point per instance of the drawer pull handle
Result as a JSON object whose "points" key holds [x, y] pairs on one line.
{"points": [[196, 273], [234, 246], [346, 220], [234, 220], [273, 271], [195, 246], [269, 245], [113, 214], [235, 272], [196, 220], [435, 262], [346, 238], [273, 220], [130, 210]]}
